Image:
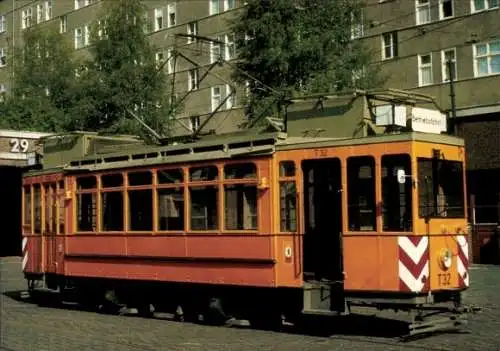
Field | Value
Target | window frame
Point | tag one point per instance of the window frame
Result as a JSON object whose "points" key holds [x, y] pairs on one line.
{"points": [[444, 66], [423, 66], [292, 179], [374, 161], [253, 181], [426, 7], [488, 57], [182, 186], [200, 184], [487, 6], [392, 45], [95, 192], [441, 12], [213, 96]]}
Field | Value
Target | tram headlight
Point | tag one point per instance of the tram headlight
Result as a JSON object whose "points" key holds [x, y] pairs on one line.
{"points": [[445, 258]]}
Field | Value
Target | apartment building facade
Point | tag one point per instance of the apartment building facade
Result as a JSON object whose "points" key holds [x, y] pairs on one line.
{"points": [[412, 41], [203, 85], [418, 45]]}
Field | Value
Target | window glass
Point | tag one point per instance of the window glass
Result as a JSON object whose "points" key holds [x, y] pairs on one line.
{"points": [[171, 209], [204, 208], [203, 173], [140, 178], [287, 169], [396, 197], [361, 193], [86, 212], [440, 188], [170, 176], [288, 207], [111, 180], [83, 183], [112, 211], [239, 171], [37, 202], [140, 210], [241, 207], [27, 205]]}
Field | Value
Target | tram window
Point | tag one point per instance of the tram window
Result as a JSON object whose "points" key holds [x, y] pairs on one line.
{"points": [[288, 207], [111, 180], [396, 197], [206, 173], [86, 212], [440, 188], [37, 202], [86, 183], [112, 211], [240, 171], [170, 176], [171, 209], [141, 210], [53, 196], [27, 206], [62, 208], [48, 208], [140, 178], [204, 208], [240, 207], [287, 169], [361, 193]]}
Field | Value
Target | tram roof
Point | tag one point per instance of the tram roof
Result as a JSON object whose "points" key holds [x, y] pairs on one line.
{"points": [[231, 146]]}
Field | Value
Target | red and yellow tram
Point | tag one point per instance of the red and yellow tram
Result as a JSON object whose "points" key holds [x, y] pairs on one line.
{"points": [[259, 226]]}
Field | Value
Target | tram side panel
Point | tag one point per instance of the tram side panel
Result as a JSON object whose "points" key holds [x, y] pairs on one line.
{"points": [[229, 257]]}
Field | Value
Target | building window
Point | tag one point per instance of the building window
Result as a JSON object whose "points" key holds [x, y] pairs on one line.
{"points": [[26, 18], [424, 69], [481, 5], [216, 49], [214, 7], [3, 58], [192, 29], [159, 58], [423, 11], [158, 19], [389, 45], [216, 97], [229, 5], [230, 52], [357, 26], [487, 58], [171, 15], [63, 24], [171, 61], [48, 10], [3, 24], [449, 56], [193, 79], [82, 3], [194, 123], [82, 37], [39, 13], [231, 101], [3, 92], [445, 9]]}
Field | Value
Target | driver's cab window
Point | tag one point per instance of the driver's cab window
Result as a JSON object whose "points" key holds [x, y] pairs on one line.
{"points": [[397, 193]]}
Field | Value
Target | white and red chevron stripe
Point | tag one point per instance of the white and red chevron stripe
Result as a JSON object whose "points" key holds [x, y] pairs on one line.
{"points": [[413, 263], [463, 261], [25, 252]]}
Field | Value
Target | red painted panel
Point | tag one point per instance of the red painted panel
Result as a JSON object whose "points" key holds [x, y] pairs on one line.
{"points": [[247, 274], [97, 245], [60, 254], [156, 246], [33, 254], [231, 246]]}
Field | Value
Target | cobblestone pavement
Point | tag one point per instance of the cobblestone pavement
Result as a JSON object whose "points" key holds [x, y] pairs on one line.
{"points": [[26, 326]]}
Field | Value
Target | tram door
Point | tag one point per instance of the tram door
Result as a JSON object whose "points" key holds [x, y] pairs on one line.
{"points": [[322, 250]]}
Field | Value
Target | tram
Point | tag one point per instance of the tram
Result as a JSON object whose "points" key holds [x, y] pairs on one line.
{"points": [[262, 226]]}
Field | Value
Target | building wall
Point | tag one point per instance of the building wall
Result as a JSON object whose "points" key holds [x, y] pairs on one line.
{"points": [[199, 102], [477, 96]]}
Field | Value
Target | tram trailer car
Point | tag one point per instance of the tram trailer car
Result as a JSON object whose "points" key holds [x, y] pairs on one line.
{"points": [[260, 227]]}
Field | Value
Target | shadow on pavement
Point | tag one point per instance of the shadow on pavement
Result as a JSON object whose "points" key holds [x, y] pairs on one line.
{"points": [[354, 325]]}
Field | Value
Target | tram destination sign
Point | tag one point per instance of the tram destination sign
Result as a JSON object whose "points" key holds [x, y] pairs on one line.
{"points": [[17, 147], [428, 121]]}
